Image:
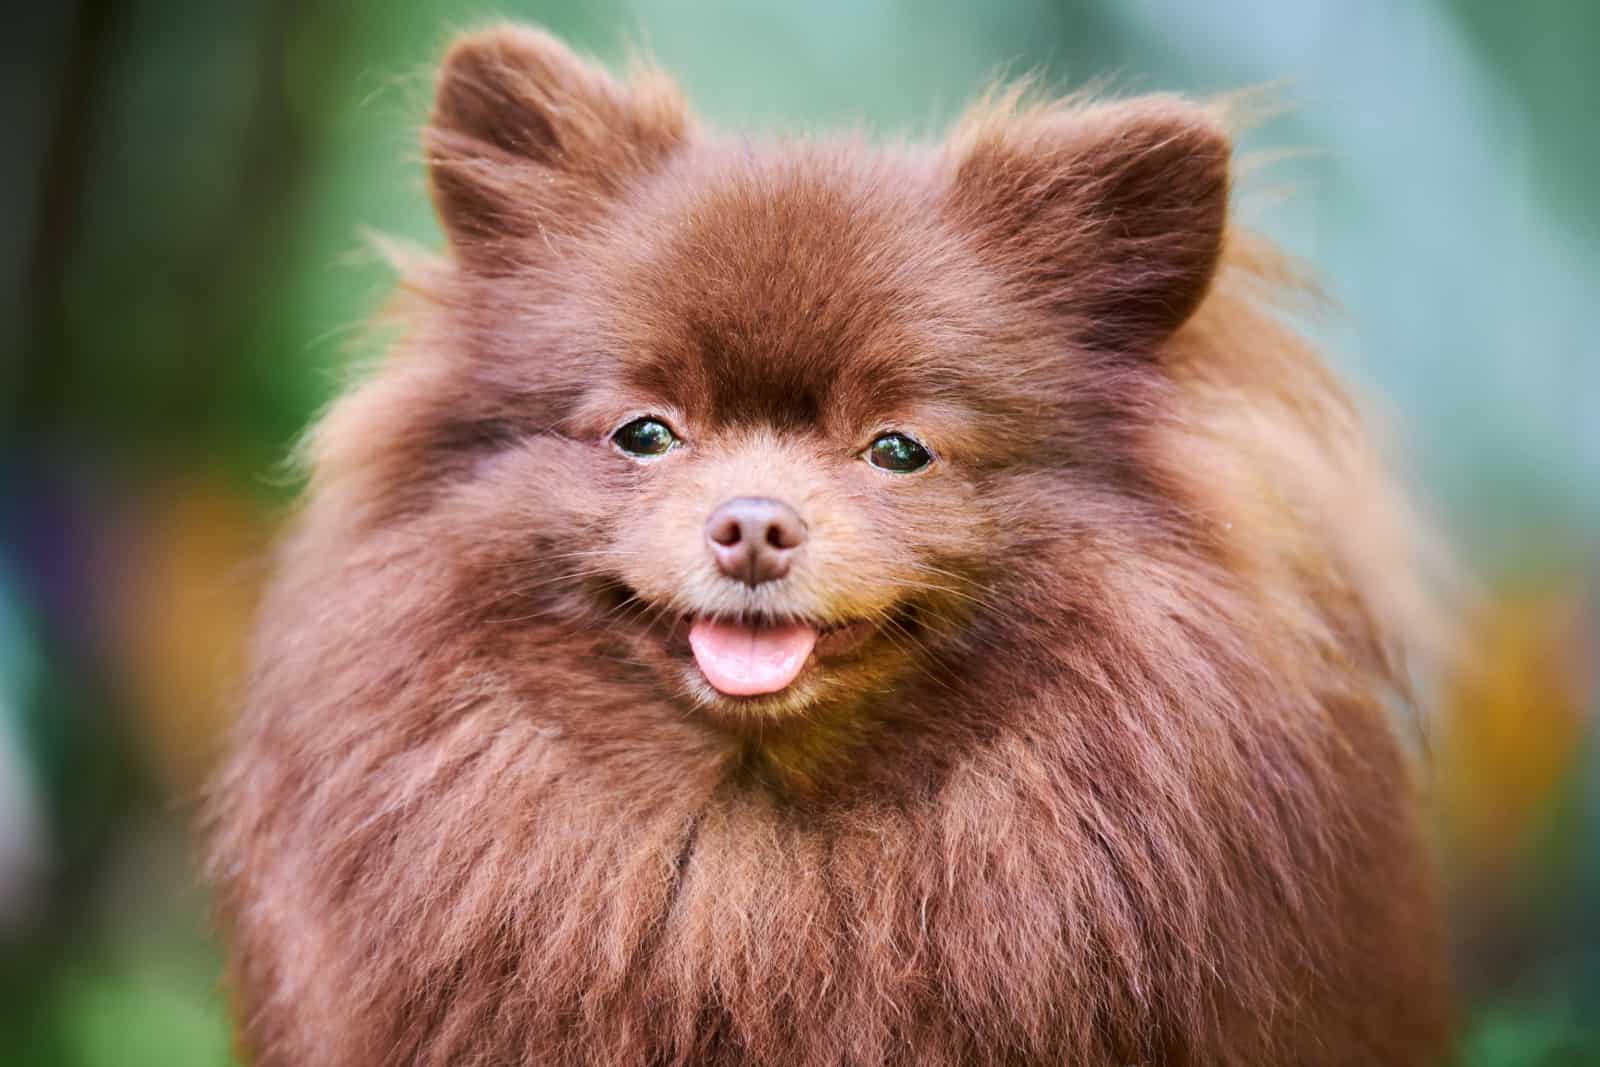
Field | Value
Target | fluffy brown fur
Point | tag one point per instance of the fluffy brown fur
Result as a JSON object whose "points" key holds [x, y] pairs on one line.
{"points": [[1111, 781]]}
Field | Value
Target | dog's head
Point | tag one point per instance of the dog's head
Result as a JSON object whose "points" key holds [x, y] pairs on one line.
{"points": [[781, 420]]}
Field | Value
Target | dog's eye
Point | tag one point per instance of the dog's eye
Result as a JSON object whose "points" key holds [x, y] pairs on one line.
{"points": [[897, 453], [645, 437]]}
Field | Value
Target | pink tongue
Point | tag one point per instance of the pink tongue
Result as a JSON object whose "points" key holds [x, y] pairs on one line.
{"points": [[743, 661]]}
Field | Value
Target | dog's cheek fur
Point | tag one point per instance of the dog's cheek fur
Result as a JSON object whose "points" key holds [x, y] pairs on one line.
{"points": [[1144, 807]]}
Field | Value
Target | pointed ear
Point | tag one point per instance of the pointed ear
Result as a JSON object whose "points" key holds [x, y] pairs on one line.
{"points": [[1111, 214], [525, 136]]}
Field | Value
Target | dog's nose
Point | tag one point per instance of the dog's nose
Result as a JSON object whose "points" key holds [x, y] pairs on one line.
{"points": [[752, 538]]}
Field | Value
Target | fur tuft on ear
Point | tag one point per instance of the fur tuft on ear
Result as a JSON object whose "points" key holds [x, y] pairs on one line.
{"points": [[1112, 213], [525, 135]]}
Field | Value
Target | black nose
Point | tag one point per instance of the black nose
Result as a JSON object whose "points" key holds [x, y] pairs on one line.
{"points": [[752, 538]]}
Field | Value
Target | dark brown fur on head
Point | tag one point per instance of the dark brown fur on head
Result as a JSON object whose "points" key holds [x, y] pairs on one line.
{"points": [[1108, 780]]}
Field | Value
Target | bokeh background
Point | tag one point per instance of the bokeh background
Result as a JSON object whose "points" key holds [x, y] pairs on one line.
{"points": [[184, 189]]}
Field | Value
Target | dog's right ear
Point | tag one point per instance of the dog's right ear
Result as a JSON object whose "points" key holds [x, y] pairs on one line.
{"points": [[526, 137]]}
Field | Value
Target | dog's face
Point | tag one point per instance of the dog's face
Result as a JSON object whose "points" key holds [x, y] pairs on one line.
{"points": [[768, 419], [789, 404]]}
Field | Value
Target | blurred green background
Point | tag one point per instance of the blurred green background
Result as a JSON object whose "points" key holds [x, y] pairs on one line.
{"points": [[183, 195]]}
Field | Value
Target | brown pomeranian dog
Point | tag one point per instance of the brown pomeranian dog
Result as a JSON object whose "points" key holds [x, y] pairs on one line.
{"points": [[796, 603]]}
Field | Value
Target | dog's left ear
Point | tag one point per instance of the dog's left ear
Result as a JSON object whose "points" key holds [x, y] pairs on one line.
{"points": [[528, 137], [1112, 215]]}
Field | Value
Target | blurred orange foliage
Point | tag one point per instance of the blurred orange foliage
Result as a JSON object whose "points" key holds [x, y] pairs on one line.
{"points": [[1514, 722], [182, 618]]}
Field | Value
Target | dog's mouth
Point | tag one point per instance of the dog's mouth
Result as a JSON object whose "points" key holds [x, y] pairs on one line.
{"points": [[754, 657]]}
